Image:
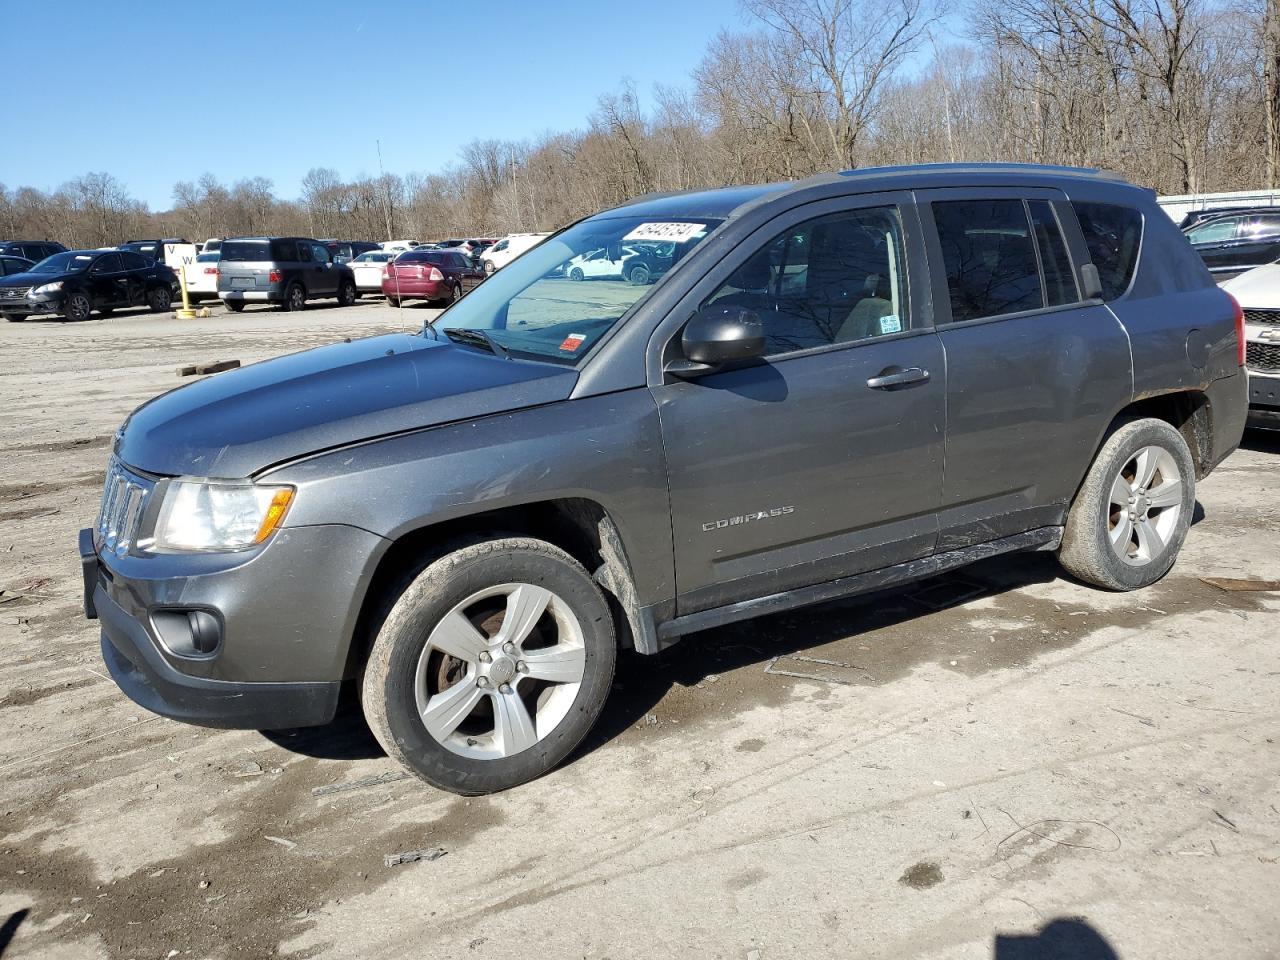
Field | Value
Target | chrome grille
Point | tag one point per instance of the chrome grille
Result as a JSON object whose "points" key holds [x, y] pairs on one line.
{"points": [[14, 293], [1263, 357], [124, 497], [1270, 318]]}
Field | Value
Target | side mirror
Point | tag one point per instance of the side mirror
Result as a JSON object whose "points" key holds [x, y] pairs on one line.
{"points": [[719, 335], [1092, 282]]}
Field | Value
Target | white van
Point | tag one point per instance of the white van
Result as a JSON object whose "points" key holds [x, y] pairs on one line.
{"points": [[508, 248]]}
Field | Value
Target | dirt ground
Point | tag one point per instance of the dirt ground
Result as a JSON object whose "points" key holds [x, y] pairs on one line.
{"points": [[998, 763]]}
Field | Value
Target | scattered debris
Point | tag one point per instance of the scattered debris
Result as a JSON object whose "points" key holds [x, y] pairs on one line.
{"points": [[287, 844], [921, 876], [203, 885], [826, 676], [1146, 721], [1226, 821], [1234, 585], [217, 366], [251, 769], [413, 856], [391, 776]]}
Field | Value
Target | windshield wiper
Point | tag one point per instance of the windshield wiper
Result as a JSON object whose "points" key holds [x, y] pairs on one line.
{"points": [[477, 338]]}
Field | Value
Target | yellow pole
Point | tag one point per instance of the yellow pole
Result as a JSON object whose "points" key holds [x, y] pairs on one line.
{"points": [[186, 313]]}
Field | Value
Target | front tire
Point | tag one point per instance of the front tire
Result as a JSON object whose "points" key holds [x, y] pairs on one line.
{"points": [[77, 308], [1132, 513], [491, 666]]}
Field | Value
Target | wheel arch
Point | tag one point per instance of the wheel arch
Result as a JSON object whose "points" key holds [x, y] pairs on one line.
{"points": [[1187, 411], [579, 526]]}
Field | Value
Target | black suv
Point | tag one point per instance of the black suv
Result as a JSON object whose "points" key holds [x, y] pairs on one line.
{"points": [[287, 271], [843, 384], [33, 250], [151, 249], [1231, 243], [75, 283]]}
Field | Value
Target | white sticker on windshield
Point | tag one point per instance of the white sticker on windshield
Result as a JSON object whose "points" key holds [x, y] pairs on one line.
{"points": [[890, 324], [671, 232]]}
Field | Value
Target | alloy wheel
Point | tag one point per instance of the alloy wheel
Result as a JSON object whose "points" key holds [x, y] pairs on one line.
{"points": [[500, 671], [1145, 505]]}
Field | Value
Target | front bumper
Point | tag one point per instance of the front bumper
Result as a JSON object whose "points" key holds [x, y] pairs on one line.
{"points": [[1264, 401], [285, 614], [47, 305]]}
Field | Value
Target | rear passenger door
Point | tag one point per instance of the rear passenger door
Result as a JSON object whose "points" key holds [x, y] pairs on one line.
{"points": [[1033, 371], [824, 460], [134, 278], [322, 269]]}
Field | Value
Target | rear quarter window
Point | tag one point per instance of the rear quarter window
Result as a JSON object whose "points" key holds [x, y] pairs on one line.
{"points": [[1113, 234]]}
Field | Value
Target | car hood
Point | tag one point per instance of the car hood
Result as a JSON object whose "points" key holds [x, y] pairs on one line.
{"points": [[34, 279], [237, 423], [1257, 289]]}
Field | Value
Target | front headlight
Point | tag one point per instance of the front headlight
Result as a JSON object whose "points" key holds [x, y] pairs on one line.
{"points": [[45, 288], [214, 515]]}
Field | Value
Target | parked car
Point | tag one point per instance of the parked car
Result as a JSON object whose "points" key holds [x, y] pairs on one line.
{"points": [[647, 262], [369, 267], [508, 248], [399, 246], [487, 509], [1233, 243], [33, 250], [344, 251], [202, 278], [212, 245], [440, 276], [286, 271], [151, 249], [11, 265], [76, 283], [1258, 293], [1207, 213], [603, 264]]}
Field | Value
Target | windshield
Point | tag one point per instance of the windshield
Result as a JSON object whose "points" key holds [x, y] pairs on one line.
{"points": [[64, 263], [556, 301]]}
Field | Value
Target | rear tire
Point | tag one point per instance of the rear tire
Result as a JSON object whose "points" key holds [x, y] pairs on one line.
{"points": [[522, 636], [347, 294], [1132, 513], [12, 317], [235, 306], [638, 275], [394, 301], [295, 298], [159, 299], [576, 274]]}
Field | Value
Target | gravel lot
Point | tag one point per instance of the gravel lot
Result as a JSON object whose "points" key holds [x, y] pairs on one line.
{"points": [[1013, 761]]}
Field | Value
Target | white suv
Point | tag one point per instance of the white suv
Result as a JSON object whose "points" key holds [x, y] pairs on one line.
{"points": [[508, 248]]}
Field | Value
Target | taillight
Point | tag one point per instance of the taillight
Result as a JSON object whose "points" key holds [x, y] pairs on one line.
{"points": [[275, 276], [435, 276], [1240, 348], [211, 271], [216, 271]]}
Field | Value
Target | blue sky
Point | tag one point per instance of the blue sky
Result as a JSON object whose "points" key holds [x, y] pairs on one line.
{"points": [[156, 92]]}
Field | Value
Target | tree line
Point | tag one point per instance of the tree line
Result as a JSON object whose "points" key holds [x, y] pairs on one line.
{"points": [[1182, 96]]}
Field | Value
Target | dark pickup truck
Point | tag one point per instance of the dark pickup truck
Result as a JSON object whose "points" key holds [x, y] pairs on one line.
{"points": [[839, 385]]}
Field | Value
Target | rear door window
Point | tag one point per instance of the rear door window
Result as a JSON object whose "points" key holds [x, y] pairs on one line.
{"points": [[134, 261], [1113, 235], [282, 251], [1055, 262], [989, 258], [1256, 228]]}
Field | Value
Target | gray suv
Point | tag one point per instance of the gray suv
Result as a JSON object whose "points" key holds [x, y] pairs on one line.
{"points": [[287, 271], [840, 384]]}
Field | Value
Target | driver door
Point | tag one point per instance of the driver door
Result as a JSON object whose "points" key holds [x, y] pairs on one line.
{"points": [[107, 282], [808, 467]]}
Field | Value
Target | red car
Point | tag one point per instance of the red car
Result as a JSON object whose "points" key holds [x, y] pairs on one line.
{"points": [[441, 276]]}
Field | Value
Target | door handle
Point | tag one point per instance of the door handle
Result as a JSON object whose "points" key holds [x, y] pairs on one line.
{"points": [[898, 378]]}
